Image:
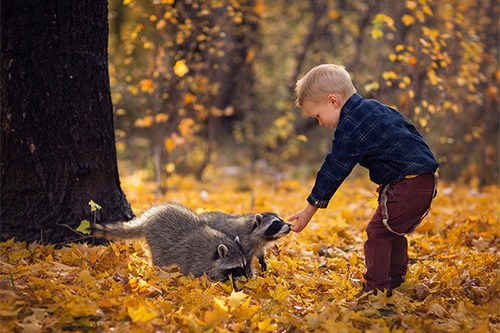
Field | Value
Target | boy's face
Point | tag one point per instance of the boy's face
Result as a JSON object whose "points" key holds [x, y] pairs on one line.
{"points": [[327, 113]]}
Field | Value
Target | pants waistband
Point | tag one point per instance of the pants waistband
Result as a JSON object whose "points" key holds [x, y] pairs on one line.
{"points": [[420, 174]]}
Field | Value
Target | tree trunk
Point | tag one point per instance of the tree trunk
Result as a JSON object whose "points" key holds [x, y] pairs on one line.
{"points": [[57, 146], [209, 145]]}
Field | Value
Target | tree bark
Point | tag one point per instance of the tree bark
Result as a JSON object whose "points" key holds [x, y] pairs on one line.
{"points": [[57, 144]]}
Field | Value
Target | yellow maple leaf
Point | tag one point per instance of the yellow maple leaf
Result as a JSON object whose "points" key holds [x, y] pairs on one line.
{"points": [[389, 75], [267, 325], [420, 16], [354, 260], [413, 61], [186, 126], [340, 223], [251, 284], [220, 304], [433, 78], [236, 298], [170, 167], [169, 144], [422, 122], [146, 85], [302, 138], [218, 314], [161, 118], [138, 285], [245, 311], [334, 14], [427, 10], [408, 20], [141, 313], [79, 308], [377, 33], [180, 68]]}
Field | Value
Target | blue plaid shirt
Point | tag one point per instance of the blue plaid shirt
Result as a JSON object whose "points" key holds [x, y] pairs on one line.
{"points": [[379, 139]]}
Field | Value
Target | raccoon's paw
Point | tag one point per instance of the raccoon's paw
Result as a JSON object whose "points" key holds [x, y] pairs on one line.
{"points": [[263, 263], [238, 278]]}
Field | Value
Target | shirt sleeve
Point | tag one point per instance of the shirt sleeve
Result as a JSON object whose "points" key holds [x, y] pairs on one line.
{"points": [[337, 166]]}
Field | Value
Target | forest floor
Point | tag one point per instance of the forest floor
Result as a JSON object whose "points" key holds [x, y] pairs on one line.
{"points": [[310, 285]]}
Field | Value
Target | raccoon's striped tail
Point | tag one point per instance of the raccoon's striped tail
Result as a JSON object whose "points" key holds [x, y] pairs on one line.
{"points": [[120, 230]]}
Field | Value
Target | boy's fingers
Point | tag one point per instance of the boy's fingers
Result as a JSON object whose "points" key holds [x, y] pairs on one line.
{"points": [[292, 218]]}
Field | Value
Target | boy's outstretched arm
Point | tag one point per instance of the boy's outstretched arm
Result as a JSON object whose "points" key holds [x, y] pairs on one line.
{"points": [[303, 217]]}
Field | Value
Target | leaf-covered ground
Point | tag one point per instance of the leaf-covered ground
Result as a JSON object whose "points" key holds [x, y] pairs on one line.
{"points": [[452, 283]]}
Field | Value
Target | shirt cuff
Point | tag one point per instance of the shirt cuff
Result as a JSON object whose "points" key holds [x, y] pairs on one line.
{"points": [[317, 203]]}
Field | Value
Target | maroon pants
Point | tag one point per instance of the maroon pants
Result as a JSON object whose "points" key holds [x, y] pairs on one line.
{"points": [[401, 208]]}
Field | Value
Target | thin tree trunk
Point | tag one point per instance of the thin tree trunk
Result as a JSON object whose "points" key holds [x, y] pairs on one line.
{"points": [[208, 147]]}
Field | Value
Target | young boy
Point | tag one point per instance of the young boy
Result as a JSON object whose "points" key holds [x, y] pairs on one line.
{"points": [[396, 155]]}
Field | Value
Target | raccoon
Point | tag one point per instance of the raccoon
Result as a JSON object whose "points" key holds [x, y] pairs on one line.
{"points": [[176, 235], [256, 232]]}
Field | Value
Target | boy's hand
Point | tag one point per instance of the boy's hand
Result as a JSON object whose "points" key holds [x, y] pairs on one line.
{"points": [[303, 217]]}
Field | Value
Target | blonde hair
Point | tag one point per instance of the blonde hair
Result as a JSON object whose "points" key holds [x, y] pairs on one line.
{"points": [[322, 81]]}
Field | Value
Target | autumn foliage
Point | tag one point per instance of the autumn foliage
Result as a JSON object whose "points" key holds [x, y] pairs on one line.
{"points": [[452, 284], [203, 89], [187, 77]]}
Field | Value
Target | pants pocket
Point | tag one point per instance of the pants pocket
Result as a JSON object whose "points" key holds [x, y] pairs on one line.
{"points": [[404, 208]]}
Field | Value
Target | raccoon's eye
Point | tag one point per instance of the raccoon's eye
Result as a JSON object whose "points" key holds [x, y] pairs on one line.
{"points": [[274, 228]]}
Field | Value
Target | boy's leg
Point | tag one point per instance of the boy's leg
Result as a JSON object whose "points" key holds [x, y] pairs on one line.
{"points": [[401, 208], [382, 272], [378, 248], [399, 261], [406, 203]]}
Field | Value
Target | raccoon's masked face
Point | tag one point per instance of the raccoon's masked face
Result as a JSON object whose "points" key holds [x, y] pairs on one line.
{"points": [[230, 261], [236, 272], [271, 226]]}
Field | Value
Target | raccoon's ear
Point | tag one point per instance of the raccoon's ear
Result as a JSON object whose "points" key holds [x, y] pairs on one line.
{"points": [[237, 240], [257, 219], [222, 250]]}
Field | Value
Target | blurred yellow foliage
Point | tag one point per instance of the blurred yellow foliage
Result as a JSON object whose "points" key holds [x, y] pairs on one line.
{"points": [[180, 68]]}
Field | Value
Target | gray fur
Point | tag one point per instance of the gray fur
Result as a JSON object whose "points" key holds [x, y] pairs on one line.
{"points": [[256, 232], [176, 235]]}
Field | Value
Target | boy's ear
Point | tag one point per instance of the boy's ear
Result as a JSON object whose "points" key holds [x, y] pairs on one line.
{"points": [[334, 100]]}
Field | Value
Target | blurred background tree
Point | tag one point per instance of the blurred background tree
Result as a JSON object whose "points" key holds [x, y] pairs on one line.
{"points": [[210, 82]]}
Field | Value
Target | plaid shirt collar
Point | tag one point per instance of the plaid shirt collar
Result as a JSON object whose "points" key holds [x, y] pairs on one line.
{"points": [[350, 104]]}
